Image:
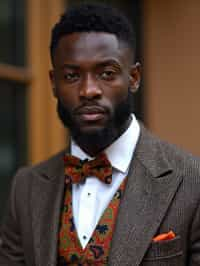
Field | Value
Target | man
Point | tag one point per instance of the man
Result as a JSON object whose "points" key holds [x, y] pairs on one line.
{"points": [[74, 210]]}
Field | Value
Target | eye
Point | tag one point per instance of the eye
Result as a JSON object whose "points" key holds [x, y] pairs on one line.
{"points": [[107, 75], [71, 77]]}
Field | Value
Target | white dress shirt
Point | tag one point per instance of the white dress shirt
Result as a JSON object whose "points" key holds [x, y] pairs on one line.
{"points": [[89, 200]]}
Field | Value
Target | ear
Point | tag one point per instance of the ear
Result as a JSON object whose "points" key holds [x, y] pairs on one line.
{"points": [[135, 77], [53, 83]]}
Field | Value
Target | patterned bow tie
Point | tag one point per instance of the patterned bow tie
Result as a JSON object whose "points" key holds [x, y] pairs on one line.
{"points": [[77, 170]]}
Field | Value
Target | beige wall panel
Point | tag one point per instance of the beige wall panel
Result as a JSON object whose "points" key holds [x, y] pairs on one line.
{"points": [[46, 135], [171, 71]]}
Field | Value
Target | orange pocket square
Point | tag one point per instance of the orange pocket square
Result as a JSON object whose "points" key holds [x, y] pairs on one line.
{"points": [[165, 236]]}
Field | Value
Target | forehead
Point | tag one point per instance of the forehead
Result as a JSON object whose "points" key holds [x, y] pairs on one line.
{"points": [[83, 47]]}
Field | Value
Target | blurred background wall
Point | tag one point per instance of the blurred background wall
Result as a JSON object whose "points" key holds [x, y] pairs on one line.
{"points": [[168, 44]]}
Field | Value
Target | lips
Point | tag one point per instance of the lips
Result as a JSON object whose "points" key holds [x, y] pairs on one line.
{"points": [[91, 113]]}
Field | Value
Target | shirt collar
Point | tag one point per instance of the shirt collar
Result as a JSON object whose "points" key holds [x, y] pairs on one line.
{"points": [[120, 152]]}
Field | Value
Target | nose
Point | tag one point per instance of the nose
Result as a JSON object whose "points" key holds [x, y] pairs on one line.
{"points": [[90, 88]]}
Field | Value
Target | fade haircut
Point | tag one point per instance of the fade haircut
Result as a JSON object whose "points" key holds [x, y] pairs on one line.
{"points": [[93, 18]]}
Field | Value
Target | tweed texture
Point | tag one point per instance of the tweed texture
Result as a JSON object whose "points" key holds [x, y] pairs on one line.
{"points": [[162, 194]]}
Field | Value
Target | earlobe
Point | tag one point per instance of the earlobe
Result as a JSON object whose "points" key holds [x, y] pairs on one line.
{"points": [[135, 77]]}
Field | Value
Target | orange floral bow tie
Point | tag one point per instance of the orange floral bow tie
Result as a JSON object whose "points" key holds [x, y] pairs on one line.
{"points": [[77, 170]]}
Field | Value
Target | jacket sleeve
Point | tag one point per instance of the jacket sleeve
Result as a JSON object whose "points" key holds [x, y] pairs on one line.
{"points": [[11, 248], [194, 252]]}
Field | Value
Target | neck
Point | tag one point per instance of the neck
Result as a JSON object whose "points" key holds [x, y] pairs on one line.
{"points": [[92, 145]]}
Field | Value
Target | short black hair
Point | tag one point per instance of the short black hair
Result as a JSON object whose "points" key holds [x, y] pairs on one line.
{"points": [[93, 18]]}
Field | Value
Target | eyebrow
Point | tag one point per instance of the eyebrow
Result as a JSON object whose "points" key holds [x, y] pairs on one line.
{"points": [[109, 62]]}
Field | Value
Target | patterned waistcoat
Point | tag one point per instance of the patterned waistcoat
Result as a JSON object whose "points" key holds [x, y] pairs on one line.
{"points": [[97, 250]]}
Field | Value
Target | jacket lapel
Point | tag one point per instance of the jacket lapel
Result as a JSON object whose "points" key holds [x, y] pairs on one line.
{"points": [[46, 202], [150, 188]]}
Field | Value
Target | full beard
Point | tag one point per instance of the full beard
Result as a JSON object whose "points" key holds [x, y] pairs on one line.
{"points": [[103, 137]]}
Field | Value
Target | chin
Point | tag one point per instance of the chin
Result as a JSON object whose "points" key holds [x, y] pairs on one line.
{"points": [[91, 130], [91, 135]]}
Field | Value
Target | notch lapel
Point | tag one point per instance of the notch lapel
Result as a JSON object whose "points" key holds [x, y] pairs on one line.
{"points": [[46, 202], [150, 188]]}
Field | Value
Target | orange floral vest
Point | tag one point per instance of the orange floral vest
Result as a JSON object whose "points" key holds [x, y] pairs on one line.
{"points": [[97, 250]]}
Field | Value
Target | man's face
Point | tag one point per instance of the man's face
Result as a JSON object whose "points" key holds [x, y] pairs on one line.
{"points": [[92, 78]]}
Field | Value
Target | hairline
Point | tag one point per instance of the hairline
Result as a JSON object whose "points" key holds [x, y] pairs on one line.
{"points": [[125, 43]]}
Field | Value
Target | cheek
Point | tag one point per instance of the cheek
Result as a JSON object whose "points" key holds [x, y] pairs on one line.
{"points": [[67, 96], [117, 92]]}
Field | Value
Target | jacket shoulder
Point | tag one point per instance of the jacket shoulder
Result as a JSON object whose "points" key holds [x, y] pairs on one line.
{"points": [[179, 159], [48, 168]]}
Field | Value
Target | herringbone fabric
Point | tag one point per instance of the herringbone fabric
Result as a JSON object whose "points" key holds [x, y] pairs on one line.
{"points": [[162, 194]]}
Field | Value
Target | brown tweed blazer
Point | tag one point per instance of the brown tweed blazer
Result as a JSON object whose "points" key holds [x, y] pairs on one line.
{"points": [[162, 194]]}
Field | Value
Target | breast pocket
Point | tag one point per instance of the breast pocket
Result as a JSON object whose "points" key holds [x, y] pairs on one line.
{"points": [[163, 253]]}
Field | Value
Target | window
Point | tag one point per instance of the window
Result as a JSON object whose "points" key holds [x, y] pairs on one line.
{"points": [[13, 149], [30, 130]]}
